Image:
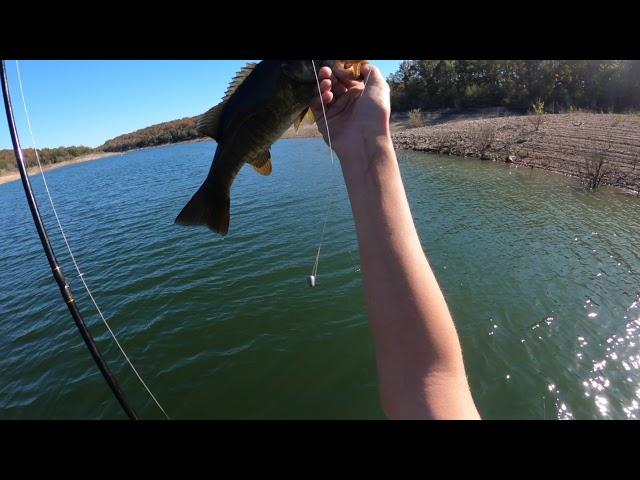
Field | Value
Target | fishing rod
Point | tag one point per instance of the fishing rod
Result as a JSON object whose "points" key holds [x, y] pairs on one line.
{"points": [[58, 275]]}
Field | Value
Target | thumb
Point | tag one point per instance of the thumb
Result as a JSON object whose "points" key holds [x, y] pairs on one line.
{"points": [[371, 75]]}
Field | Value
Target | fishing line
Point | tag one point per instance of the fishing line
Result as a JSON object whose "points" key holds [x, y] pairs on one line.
{"points": [[314, 270], [73, 259], [365, 83]]}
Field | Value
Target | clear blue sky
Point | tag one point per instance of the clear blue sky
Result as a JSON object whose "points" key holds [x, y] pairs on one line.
{"points": [[87, 102]]}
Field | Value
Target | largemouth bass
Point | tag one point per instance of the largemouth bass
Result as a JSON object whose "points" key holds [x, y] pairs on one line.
{"points": [[261, 103]]}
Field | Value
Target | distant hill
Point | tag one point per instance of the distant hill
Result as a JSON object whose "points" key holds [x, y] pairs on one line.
{"points": [[163, 133], [178, 131]]}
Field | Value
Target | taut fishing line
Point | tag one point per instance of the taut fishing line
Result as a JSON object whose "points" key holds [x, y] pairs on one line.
{"points": [[314, 269], [73, 259], [365, 83]]}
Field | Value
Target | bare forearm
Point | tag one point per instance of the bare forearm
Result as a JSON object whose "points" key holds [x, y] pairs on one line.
{"points": [[417, 349]]}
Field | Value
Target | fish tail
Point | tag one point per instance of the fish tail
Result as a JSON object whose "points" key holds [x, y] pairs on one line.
{"points": [[209, 207]]}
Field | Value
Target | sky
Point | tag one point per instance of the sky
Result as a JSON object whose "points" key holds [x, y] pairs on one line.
{"points": [[79, 102]]}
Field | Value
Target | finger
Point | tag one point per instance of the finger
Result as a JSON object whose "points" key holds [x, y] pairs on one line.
{"points": [[327, 94], [327, 97], [325, 85], [337, 86], [344, 102], [316, 107], [371, 72], [324, 72]]}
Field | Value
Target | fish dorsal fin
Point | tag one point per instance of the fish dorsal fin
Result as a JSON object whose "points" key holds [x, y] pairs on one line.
{"points": [[307, 115], [240, 77], [209, 122], [262, 163]]}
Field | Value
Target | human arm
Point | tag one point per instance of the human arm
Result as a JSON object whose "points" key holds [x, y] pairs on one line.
{"points": [[419, 359]]}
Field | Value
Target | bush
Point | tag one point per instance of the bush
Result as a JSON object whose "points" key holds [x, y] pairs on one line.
{"points": [[415, 118], [538, 107], [595, 170], [538, 114], [596, 167]]}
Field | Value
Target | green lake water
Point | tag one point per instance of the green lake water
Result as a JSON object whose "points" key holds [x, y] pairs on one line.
{"points": [[542, 278]]}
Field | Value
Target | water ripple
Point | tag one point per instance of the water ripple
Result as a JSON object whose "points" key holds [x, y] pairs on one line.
{"points": [[541, 276]]}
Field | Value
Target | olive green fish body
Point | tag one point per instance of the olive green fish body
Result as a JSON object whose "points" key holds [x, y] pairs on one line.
{"points": [[261, 104], [260, 111]]}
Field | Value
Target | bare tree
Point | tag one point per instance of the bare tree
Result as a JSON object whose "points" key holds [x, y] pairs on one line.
{"points": [[483, 137], [596, 166], [595, 170]]}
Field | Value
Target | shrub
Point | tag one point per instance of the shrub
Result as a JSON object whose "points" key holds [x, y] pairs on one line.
{"points": [[538, 114], [415, 118]]}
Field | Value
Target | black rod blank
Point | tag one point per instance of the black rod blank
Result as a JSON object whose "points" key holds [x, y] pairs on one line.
{"points": [[58, 275]]}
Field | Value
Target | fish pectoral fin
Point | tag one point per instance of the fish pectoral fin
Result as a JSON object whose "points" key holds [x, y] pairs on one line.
{"points": [[299, 118], [262, 163], [307, 115], [209, 122]]}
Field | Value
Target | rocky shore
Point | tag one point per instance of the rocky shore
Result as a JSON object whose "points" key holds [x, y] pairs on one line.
{"points": [[601, 149]]}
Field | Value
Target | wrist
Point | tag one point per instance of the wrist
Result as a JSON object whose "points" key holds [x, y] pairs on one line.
{"points": [[367, 155]]}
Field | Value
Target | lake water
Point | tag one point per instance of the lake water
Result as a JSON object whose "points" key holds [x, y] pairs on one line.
{"points": [[542, 278]]}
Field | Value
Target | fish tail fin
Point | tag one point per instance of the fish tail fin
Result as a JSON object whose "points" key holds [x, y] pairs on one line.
{"points": [[209, 207]]}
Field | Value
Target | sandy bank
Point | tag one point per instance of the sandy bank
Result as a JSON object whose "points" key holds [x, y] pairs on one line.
{"points": [[10, 177]]}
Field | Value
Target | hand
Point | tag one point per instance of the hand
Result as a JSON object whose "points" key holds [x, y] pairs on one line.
{"points": [[357, 115]]}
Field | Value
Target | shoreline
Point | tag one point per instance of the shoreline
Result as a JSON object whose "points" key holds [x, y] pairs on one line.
{"points": [[601, 148], [35, 171], [571, 144]]}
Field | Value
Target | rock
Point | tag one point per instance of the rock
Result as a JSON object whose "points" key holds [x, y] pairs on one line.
{"points": [[511, 159]]}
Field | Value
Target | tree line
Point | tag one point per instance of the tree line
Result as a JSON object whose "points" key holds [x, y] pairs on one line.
{"points": [[595, 85], [160, 134], [163, 133], [47, 156]]}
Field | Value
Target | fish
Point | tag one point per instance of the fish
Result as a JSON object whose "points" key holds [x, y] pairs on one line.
{"points": [[262, 101]]}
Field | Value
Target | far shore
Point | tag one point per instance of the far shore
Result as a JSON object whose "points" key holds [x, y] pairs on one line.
{"points": [[576, 144], [33, 171]]}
